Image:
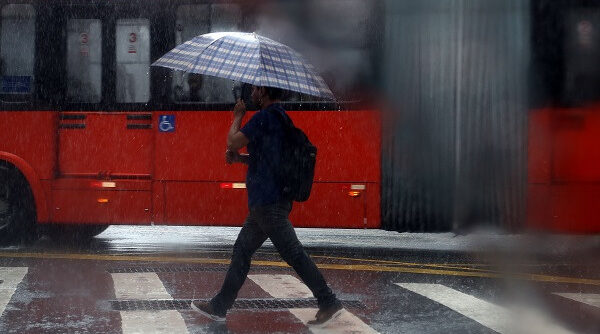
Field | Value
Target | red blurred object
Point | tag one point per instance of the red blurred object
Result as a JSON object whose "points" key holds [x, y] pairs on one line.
{"points": [[180, 177], [564, 170]]}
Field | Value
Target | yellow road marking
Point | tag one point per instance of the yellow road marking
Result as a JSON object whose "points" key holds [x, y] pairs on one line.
{"points": [[108, 257], [461, 266], [465, 266], [432, 265], [351, 267]]}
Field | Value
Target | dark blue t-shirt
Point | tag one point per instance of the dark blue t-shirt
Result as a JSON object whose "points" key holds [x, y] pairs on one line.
{"points": [[265, 132]]}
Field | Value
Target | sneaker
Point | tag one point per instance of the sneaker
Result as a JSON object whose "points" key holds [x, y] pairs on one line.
{"points": [[325, 315], [206, 309]]}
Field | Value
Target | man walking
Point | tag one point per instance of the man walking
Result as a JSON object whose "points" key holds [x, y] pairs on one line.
{"points": [[269, 211]]}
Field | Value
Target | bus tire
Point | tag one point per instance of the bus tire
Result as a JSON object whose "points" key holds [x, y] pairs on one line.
{"points": [[74, 233], [17, 208]]}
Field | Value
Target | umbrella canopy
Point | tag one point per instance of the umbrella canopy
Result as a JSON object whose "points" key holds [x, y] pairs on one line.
{"points": [[249, 58]]}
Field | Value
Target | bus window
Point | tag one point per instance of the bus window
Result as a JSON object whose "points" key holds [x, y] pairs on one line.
{"points": [[582, 49], [194, 20], [342, 22], [333, 35], [133, 60], [225, 17], [343, 27], [17, 52], [84, 60]]}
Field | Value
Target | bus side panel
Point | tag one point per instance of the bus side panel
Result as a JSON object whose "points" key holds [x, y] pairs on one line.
{"points": [[564, 160], [329, 205], [37, 151], [108, 142], [92, 201], [190, 160], [158, 201], [539, 213], [540, 146], [346, 192], [101, 207], [373, 199], [30, 135], [205, 203], [337, 205], [575, 208], [576, 153], [539, 168], [348, 144], [195, 149]]}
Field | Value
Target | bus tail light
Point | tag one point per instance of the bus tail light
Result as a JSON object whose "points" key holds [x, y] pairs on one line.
{"points": [[227, 185], [103, 200], [103, 184], [354, 190]]}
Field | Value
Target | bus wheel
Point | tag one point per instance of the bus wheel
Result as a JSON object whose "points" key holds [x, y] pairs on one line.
{"points": [[17, 212], [74, 233]]}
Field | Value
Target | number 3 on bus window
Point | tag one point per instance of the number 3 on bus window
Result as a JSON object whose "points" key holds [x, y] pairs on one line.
{"points": [[166, 123]]}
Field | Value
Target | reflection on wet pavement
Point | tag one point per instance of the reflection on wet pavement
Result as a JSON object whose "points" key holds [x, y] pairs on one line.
{"points": [[141, 279]]}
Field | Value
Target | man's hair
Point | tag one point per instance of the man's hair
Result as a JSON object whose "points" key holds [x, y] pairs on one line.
{"points": [[275, 93]]}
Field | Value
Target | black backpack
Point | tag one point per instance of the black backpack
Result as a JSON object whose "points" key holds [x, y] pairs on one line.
{"points": [[298, 158]]}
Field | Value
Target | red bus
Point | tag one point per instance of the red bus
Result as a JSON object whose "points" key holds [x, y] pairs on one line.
{"points": [[564, 128], [92, 135]]}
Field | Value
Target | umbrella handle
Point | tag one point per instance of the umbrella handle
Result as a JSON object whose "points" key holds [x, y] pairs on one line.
{"points": [[236, 90]]}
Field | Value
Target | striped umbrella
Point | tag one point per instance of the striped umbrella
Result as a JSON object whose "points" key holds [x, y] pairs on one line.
{"points": [[249, 58]]}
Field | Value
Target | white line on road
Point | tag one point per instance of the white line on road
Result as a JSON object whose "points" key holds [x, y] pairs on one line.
{"points": [[282, 286], [497, 318], [145, 286], [345, 323], [145, 322], [592, 299], [11, 277], [287, 286], [139, 286]]}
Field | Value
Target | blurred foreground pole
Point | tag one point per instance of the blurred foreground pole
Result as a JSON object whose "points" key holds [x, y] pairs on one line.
{"points": [[455, 130]]}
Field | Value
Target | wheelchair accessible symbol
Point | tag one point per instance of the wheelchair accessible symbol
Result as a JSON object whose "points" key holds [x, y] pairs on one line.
{"points": [[166, 123]]}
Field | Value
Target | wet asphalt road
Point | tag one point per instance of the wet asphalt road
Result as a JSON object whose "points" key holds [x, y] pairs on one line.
{"points": [[140, 280]]}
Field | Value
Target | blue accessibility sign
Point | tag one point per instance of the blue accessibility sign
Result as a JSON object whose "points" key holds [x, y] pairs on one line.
{"points": [[16, 84], [166, 123]]}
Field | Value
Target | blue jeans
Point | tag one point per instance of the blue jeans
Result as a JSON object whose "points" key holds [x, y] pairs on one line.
{"points": [[271, 222]]}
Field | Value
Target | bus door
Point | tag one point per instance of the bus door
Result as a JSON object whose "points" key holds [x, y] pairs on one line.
{"points": [[105, 156]]}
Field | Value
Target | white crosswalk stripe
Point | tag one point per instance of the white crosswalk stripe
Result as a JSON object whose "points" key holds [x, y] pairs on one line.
{"points": [[287, 286], [139, 286], [146, 322], [592, 299], [145, 286], [282, 286], [498, 318], [11, 277]]}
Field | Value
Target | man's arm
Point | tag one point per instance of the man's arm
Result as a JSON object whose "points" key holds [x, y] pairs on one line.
{"points": [[235, 138], [233, 157]]}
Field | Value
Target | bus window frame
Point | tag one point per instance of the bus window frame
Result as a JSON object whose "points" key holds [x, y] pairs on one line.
{"points": [[109, 14], [26, 104], [78, 11], [138, 23]]}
